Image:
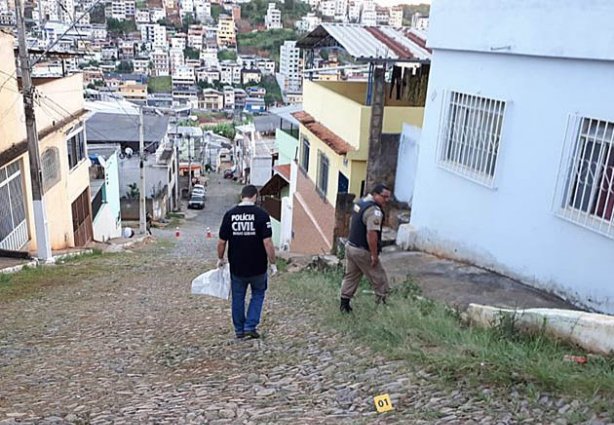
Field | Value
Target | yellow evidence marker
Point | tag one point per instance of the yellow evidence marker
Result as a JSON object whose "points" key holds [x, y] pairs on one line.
{"points": [[383, 403]]}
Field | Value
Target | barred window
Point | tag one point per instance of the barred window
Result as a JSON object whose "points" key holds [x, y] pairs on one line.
{"points": [[588, 189], [322, 180], [50, 161], [471, 135]]}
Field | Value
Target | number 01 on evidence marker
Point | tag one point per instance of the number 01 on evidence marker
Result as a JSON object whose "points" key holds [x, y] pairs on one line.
{"points": [[382, 403]]}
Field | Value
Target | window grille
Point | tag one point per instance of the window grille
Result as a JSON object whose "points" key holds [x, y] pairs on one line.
{"points": [[13, 232], [322, 181], [470, 136], [50, 161], [586, 179], [305, 155]]}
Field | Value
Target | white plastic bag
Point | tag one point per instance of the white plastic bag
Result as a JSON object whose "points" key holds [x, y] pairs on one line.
{"points": [[215, 282]]}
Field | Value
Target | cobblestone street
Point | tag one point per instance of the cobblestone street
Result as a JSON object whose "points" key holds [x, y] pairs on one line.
{"points": [[119, 339]]}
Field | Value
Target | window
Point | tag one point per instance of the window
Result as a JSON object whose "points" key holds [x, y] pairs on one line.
{"points": [[588, 191], [50, 161], [471, 136], [13, 226], [305, 155], [76, 148], [322, 180]]}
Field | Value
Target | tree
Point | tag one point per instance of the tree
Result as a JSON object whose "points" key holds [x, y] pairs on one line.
{"points": [[226, 55], [191, 53], [125, 67], [120, 28], [97, 14]]}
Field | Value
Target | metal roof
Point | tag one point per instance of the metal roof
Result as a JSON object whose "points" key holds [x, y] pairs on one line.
{"points": [[370, 43]]}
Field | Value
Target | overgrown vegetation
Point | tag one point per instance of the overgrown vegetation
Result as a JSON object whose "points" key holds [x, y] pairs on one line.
{"points": [[124, 67], [223, 129], [410, 9], [159, 84], [291, 11], [264, 43], [226, 54], [119, 28], [273, 92], [432, 336], [191, 53]]}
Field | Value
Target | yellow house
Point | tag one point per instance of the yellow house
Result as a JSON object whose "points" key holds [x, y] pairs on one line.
{"points": [[226, 32], [333, 152], [133, 91], [62, 143]]}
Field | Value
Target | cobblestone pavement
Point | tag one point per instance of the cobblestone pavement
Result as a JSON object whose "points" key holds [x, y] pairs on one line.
{"points": [[120, 340]]}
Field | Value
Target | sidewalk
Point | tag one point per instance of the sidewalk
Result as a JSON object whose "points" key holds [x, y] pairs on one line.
{"points": [[461, 284]]}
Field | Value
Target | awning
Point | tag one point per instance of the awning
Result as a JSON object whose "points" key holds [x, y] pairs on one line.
{"points": [[274, 186]]}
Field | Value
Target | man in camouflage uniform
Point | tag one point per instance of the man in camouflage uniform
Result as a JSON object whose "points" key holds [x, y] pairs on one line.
{"points": [[364, 246]]}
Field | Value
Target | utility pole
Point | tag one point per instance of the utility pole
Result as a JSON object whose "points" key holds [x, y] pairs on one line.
{"points": [[189, 166], [41, 225], [142, 201]]}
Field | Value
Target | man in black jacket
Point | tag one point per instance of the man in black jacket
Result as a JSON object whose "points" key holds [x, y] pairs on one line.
{"points": [[364, 246]]}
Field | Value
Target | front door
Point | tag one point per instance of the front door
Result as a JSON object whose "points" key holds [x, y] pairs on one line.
{"points": [[82, 219]]}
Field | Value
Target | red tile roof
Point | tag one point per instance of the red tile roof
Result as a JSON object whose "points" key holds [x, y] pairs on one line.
{"points": [[283, 170], [336, 143]]}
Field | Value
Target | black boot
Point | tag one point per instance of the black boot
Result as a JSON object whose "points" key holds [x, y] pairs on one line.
{"points": [[345, 306]]}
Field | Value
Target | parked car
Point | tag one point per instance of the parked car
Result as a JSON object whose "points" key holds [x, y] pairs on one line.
{"points": [[196, 202], [199, 190]]}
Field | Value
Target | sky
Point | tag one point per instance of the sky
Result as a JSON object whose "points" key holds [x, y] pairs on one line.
{"points": [[395, 2]]}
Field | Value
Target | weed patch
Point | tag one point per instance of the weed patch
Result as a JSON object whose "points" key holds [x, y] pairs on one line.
{"points": [[432, 336]]}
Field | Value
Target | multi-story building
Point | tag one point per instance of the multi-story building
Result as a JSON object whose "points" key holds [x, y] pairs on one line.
{"points": [[226, 32], [154, 34], [157, 14], [382, 15], [208, 56], [211, 100], [354, 8], [160, 63], [272, 20], [142, 17], [290, 66], [178, 41], [228, 69], [420, 21], [208, 75], [141, 66], [251, 76], [121, 9], [186, 7], [327, 8], [99, 32], [229, 97], [368, 15], [184, 75], [60, 117], [396, 17], [341, 10], [195, 36], [308, 23], [202, 10], [176, 58], [134, 92]]}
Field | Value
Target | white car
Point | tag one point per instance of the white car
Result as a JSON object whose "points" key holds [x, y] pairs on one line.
{"points": [[198, 192]]}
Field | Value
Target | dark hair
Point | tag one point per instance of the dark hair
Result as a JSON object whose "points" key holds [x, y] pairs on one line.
{"points": [[378, 189], [249, 191]]}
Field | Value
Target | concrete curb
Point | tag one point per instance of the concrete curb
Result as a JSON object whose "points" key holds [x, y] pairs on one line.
{"points": [[591, 331], [37, 263]]}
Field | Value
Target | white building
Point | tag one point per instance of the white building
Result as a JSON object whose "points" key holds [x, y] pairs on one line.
{"points": [[229, 97], [368, 16], [157, 14], [354, 8], [327, 8], [308, 23], [184, 75], [272, 20], [396, 17], [141, 66], [176, 58], [420, 21], [208, 56], [516, 162], [290, 66], [154, 34], [142, 17], [187, 6], [202, 10], [122, 9], [160, 62]]}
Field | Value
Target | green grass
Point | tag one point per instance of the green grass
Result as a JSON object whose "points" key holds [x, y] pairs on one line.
{"points": [[159, 85], [432, 337], [264, 42]]}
